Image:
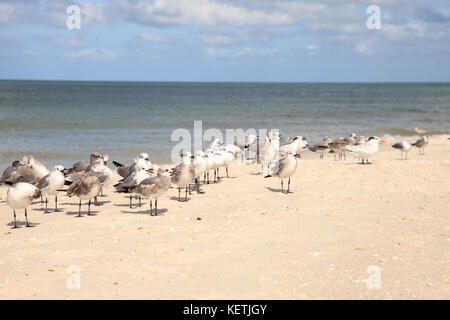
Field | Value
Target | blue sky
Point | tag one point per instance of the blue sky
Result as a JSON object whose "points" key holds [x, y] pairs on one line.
{"points": [[218, 40]]}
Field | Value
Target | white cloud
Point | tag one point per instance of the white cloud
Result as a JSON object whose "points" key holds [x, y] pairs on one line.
{"points": [[6, 13], [93, 54], [215, 39], [148, 37], [311, 47]]}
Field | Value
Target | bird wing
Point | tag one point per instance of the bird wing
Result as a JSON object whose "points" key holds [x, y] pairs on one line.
{"points": [[44, 182]]}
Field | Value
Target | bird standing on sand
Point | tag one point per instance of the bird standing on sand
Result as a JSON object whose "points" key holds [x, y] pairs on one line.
{"points": [[284, 169], [421, 144], [85, 188], [51, 184], [184, 173], [154, 187], [322, 147], [19, 196], [124, 171], [141, 171], [365, 149], [404, 147]]}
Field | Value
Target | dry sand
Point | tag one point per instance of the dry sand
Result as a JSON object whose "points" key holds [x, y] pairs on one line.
{"points": [[251, 242]]}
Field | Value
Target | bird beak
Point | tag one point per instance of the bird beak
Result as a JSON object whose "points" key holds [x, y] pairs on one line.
{"points": [[384, 141], [150, 170], [297, 156]]}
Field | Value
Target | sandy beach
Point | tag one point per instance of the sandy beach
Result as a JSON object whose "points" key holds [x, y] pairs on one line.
{"points": [[343, 224]]}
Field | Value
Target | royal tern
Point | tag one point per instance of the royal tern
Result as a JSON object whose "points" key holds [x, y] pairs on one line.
{"points": [[366, 149]]}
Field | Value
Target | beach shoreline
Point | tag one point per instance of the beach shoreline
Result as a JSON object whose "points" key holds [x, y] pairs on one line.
{"points": [[348, 231]]}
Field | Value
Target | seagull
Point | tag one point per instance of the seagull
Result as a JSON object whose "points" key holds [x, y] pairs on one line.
{"points": [[366, 149], [38, 167], [420, 130], [421, 144], [271, 147], [19, 196], [51, 184], [83, 166], [200, 167], [141, 171], [284, 169], [85, 188], [297, 144], [210, 161], [184, 173], [16, 170], [154, 187], [322, 147], [125, 171], [404, 147], [102, 169]]}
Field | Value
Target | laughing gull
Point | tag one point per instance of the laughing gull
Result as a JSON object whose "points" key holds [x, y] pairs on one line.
{"points": [[421, 144], [154, 187], [322, 147], [200, 168], [19, 196], [125, 171], [51, 184], [85, 188], [284, 169], [38, 167], [404, 147], [83, 166], [141, 171], [184, 173], [18, 169], [366, 149]]}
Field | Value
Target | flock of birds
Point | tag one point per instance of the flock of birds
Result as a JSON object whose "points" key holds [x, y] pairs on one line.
{"points": [[30, 179]]}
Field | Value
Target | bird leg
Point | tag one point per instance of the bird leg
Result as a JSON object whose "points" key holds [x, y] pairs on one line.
{"points": [[79, 209], [140, 203], [156, 207], [289, 184], [26, 218], [281, 185], [179, 194], [42, 200], [131, 199], [15, 222], [185, 196], [151, 207], [46, 204], [56, 204], [227, 171], [89, 208], [215, 176]]}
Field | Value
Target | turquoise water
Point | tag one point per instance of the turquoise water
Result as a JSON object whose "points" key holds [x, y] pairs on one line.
{"points": [[62, 122]]}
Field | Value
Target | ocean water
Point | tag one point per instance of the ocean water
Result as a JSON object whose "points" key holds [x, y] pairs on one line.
{"points": [[62, 122]]}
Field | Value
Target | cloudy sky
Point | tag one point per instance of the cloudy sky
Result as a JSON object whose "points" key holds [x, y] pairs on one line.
{"points": [[226, 40]]}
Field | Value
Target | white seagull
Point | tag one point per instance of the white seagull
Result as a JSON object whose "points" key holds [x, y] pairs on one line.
{"points": [[404, 147], [284, 169], [51, 184], [19, 196]]}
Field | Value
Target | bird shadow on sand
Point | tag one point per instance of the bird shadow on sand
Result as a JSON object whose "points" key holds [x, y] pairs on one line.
{"points": [[83, 213], [278, 190], [178, 199], [146, 211], [22, 224]]}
